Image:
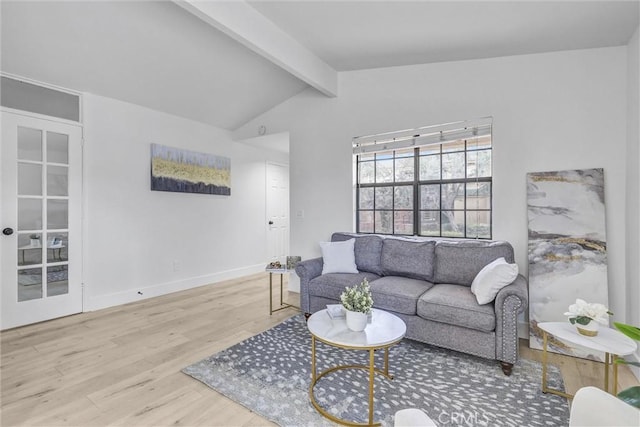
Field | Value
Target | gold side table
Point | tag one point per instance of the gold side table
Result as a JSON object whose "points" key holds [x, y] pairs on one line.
{"points": [[283, 305], [609, 341]]}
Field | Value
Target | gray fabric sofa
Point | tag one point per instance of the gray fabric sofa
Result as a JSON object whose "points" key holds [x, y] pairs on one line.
{"points": [[426, 282]]}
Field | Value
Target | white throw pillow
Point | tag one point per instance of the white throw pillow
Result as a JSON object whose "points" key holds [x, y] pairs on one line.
{"points": [[492, 278], [339, 257]]}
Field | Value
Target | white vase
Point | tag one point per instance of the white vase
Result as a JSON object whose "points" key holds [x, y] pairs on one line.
{"points": [[590, 329], [356, 321]]}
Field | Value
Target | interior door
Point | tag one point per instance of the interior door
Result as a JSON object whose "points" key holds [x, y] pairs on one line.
{"points": [[277, 212], [40, 245]]}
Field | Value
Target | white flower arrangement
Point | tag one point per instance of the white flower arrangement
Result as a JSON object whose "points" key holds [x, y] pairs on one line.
{"points": [[583, 312], [357, 298]]}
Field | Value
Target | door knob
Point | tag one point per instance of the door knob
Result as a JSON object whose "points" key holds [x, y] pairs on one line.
{"points": [[7, 231], [270, 223]]}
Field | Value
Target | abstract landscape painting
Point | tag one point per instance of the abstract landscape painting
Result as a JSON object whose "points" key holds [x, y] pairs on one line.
{"points": [[567, 248], [175, 169]]}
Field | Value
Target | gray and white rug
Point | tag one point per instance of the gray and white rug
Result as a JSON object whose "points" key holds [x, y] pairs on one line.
{"points": [[270, 374]]}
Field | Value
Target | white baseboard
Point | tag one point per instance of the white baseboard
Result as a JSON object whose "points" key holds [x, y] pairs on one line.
{"points": [[138, 294]]}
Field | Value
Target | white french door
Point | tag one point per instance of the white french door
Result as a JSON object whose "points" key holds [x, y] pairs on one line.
{"points": [[40, 244], [277, 211]]}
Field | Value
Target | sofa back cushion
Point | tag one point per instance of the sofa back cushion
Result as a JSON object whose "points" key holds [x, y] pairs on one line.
{"points": [[368, 250], [408, 259], [458, 263]]}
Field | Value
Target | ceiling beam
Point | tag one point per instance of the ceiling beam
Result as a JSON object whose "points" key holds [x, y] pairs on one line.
{"points": [[246, 25]]}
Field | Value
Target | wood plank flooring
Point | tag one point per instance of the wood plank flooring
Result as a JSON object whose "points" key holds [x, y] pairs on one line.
{"points": [[121, 366]]}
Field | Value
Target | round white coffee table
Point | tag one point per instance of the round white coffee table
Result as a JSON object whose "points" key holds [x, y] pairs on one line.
{"points": [[609, 341], [384, 330]]}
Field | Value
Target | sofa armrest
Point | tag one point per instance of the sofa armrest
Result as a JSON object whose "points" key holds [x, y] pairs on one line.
{"points": [[510, 301], [307, 270]]}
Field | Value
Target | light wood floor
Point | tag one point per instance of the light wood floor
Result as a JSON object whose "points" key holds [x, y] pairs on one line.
{"points": [[121, 366]]}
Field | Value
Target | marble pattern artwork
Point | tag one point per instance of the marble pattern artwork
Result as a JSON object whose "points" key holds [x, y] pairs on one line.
{"points": [[567, 249]]}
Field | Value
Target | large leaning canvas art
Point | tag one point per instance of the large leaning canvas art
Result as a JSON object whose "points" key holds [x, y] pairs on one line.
{"points": [[175, 169], [567, 248]]}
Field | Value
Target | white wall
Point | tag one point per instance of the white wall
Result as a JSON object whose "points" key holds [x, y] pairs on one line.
{"points": [[633, 183], [134, 235], [556, 111]]}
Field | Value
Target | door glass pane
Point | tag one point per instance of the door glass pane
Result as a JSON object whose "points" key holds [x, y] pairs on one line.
{"points": [[58, 247], [29, 248], [57, 280], [29, 144], [57, 148], [29, 284], [57, 181], [29, 179], [29, 214], [57, 214]]}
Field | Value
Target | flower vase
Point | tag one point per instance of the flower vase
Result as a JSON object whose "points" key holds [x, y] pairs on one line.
{"points": [[589, 330], [356, 321]]}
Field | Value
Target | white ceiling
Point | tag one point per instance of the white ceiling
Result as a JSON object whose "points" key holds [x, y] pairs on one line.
{"points": [[159, 55]]}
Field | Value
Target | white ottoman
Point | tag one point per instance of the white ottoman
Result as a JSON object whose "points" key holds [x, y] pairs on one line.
{"points": [[412, 417]]}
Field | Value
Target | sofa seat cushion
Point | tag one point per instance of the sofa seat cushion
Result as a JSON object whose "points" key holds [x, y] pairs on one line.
{"points": [[460, 262], [331, 285], [399, 294], [408, 258], [456, 305]]}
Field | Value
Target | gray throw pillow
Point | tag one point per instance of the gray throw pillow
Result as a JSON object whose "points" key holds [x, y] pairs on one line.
{"points": [[408, 259]]}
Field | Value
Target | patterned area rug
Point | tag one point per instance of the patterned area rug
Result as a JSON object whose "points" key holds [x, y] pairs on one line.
{"points": [[270, 374]]}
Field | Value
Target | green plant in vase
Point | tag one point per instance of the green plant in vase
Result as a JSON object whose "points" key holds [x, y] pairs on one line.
{"points": [[632, 394]]}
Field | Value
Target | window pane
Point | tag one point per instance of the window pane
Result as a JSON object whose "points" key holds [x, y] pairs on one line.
{"points": [[453, 146], [29, 179], [430, 149], [407, 152], [479, 224], [367, 173], [480, 143], [430, 223], [452, 223], [365, 224], [57, 181], [452, 196], [429, 168], [366, 198], [403, 197], [384, 222], [384, 170], [430, 196], [57, 148], [403, 222], [384, 198], [29, 144], [453, 166], [479, 164], [479, 195], [404, 169]]}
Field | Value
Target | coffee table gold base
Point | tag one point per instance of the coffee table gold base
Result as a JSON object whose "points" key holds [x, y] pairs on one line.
{"points": [[609, 359], [370, 368]]}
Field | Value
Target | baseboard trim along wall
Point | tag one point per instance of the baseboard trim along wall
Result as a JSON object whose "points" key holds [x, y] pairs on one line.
{"points": [[138, 294]]}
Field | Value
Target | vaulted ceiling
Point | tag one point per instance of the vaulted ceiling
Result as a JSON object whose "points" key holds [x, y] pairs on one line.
{"points": [[224, 63]]}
